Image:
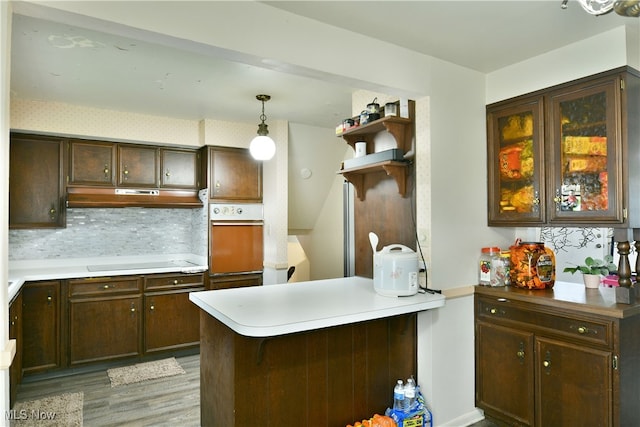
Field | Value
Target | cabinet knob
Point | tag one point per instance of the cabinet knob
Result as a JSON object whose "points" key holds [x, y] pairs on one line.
{"points": [[175, 282], [167, 174], [493, 311], [133, 309], [52, 213], [106, 286], [153, 307], [557, 200], [583, 330], [546, 363], [106, 170], [125, 171]]}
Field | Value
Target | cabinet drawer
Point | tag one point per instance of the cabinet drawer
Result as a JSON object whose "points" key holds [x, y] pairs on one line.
{"points": [[103, 286], [173, 281], [586, 330]]}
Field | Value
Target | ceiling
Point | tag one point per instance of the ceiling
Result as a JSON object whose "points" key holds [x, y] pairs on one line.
{"points": [[54, 60]]}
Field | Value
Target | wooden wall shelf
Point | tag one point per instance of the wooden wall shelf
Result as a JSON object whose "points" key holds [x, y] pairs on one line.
{"points": [[395, 169]]}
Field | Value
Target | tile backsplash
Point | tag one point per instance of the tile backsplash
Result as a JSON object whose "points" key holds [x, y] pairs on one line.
{"points": [[94, 232]]}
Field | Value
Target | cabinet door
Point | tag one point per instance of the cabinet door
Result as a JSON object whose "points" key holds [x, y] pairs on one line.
{"points": [[41, 326], [137, 166], [515, 163], [104, 328], [15, 333], [235, 175], [586, 159], [92, 163], [36, 189], [179, 168], [171, 321], [504, 373], [573, 385]]}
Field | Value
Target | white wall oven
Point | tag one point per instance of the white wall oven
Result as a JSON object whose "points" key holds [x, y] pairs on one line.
{"points": [[236, 238]]}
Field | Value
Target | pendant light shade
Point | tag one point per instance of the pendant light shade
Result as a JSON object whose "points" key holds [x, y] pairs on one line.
{"points": [[262, 146], [629, 8]]}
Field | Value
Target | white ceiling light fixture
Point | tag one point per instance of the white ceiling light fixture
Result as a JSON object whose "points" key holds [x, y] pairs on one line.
{"points": [[262, 146], [630, 8]]}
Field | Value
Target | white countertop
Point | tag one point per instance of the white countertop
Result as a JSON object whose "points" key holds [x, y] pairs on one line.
{"points": [[264, 311], [55, 269]]}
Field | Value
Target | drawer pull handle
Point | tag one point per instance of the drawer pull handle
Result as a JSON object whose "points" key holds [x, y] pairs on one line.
{"points": [[583, 330], [493, 311]]}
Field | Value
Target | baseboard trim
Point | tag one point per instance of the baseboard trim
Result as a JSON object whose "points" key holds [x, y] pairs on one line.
{"points": [[463, 420]]}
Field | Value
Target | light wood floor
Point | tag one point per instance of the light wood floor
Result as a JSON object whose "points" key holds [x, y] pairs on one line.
{"points": [[173, 401]]}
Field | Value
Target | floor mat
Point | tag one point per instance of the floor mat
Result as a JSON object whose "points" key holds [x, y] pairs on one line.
{"points": [[59, 410], [144, 372]]}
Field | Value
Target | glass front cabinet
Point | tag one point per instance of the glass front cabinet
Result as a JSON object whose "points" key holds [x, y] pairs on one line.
{"points": [[516, 167], [564, 155]]}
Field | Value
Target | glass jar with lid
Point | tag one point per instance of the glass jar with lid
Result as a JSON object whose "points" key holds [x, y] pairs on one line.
{"points": [[486, 264]]}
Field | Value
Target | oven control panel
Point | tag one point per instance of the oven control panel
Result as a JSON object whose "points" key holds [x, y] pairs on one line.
{"points": [[249, 211]]}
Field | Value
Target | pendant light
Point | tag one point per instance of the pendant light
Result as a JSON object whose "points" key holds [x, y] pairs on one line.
{"points": [[262, 146], [629, 8]]}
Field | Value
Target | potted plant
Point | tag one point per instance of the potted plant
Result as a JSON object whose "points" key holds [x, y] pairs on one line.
{"points": [[592, 269]]}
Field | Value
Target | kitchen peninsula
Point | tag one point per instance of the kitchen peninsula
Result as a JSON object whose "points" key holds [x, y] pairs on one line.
{"points": [[323, 352]]}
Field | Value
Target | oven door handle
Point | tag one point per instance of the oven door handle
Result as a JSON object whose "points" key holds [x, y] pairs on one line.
{"points": [[237, 223]]}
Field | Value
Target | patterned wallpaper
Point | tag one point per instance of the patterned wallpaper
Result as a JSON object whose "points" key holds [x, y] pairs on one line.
{"points": [[66, 119]]}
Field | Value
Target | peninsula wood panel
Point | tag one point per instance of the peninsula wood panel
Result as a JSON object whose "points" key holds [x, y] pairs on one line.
{"points": [[326, 377]]}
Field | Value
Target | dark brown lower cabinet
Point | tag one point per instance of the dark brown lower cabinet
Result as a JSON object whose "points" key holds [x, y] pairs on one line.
{"points": [[41, 326], [15, 333], [105, 319], [557, 358], [62, 324], [171, 321]]}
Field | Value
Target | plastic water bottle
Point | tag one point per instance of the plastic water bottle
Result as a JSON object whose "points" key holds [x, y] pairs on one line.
{"points": [[410, 393], [398, 397]]}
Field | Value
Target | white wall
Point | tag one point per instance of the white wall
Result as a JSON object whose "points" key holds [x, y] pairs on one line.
{"points": [[584, 58]]}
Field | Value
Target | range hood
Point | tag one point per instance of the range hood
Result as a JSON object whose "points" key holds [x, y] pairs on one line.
{"points": [[96, 197]]}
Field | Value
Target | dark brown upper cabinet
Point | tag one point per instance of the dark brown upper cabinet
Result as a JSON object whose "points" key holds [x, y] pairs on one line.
{"points": [[234, 176], [568, 155], [138, 166], [92, 163], [36, 183]]}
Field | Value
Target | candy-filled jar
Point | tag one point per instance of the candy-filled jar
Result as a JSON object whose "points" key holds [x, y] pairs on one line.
{"points": [[533, 265]]}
